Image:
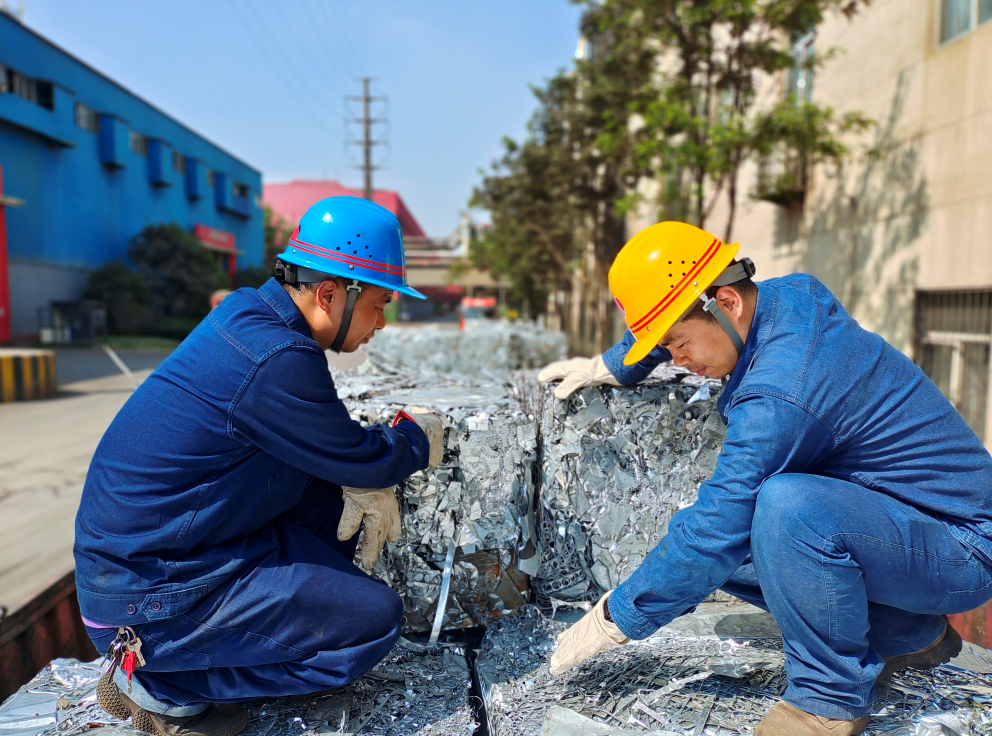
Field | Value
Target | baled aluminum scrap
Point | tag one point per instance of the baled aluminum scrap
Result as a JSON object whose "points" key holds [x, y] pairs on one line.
{"points": [[696, 685], [484, 345], [616, 464], [407, 694], [481, 497]]}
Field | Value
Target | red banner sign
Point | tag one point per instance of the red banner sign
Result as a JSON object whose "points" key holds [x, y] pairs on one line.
{"points": [[213, 236]]}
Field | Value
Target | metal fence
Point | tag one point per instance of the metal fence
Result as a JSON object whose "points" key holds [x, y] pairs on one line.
{"points": [[952, 344]]}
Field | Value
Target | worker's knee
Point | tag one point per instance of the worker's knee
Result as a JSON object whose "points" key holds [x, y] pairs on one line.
{"points": [[380, 610], [788, 507]]}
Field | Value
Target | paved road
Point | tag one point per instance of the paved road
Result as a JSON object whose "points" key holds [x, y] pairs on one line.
{"points": [[45, 450], [85, 364]]}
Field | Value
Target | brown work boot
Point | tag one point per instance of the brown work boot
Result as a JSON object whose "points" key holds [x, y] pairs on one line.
{"points": [[787, 720], [216, 720], [946, 648]]}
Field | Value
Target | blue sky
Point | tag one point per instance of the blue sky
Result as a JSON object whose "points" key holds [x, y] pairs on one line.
{"points": [[266, 79]]}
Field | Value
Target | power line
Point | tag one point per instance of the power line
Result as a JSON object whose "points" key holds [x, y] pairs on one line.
{"points": [[290, 81], [316, 26], [346, 39], [367, 141]]}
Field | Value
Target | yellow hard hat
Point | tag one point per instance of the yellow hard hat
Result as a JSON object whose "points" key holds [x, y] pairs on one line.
{"points": [[659, 274]]}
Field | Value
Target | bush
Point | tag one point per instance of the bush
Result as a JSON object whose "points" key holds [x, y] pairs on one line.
{"points": [[179, 274], [253, 276], [126, 295]]}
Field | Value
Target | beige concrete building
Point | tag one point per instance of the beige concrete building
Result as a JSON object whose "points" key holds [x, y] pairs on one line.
{"points": [[904, 239]]}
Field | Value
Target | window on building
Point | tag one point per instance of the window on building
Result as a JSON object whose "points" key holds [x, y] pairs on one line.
{"points": [[241, 190], [178, 162], [957, 17], [45, 94], [4, 83], [801, 74], [86, 118], [210, 177], [953, 341], [22, 86], [138, 143]]}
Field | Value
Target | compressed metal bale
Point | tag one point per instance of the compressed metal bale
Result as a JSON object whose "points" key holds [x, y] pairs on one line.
{"points": [[672, 683], [616, 464], [481, 497], [484, 345], [409, 693]]}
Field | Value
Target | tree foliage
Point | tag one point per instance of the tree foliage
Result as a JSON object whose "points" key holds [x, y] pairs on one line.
{"points": [[681, 92]]}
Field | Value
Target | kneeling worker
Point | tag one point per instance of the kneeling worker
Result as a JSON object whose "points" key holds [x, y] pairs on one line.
{"points": [[221, 511], [850, 499]]}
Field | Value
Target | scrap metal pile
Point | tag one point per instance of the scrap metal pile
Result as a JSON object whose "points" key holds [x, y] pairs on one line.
{"points": [[471, 519], [616, 464], [485, 345], [408, 694], [673, 684]]}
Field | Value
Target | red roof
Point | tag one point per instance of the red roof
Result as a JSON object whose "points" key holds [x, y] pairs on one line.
{"points": [[292, 199]]}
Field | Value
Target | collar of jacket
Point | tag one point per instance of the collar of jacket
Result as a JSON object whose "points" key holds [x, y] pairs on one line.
{"points": [[275, 295], [761, 324]]}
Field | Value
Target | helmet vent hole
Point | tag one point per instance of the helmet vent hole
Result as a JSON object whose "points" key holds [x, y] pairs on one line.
{"points": [[339, 248], [349, 242], [359, 235]]}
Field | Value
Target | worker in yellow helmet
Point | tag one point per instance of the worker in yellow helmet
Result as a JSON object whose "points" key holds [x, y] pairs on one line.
{"points": [[850, 499]]}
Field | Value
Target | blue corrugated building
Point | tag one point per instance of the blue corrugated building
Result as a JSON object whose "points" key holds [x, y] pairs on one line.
{"points": [[86, 165]]}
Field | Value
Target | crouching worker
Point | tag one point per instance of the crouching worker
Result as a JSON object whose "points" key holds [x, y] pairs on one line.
{"points": [[850, 499], [221, 511]]}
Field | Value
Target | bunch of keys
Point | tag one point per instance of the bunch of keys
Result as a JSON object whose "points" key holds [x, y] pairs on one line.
{"points": [[125, 652]]}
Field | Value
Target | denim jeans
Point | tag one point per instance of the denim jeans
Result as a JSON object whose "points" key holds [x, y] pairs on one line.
{"points": [[852, 576], [304, 620]]}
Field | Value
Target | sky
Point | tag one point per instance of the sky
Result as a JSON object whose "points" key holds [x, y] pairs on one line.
{"points": [[266, 79]]}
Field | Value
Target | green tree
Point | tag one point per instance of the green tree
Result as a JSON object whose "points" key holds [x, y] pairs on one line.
{"points": [[277, 232], [125, 294], [704, 120], [179, 275]]}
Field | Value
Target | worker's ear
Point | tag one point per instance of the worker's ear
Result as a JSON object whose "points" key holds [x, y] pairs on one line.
{"points": [[731, 300], [324, 294]]}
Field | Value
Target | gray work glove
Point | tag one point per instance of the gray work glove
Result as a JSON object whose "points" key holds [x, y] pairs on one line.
{"points": [[577, 373], [586, 638], [433, 428], [381, 512]]}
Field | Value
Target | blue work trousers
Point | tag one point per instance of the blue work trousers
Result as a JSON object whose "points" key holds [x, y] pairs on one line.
{"points": [[305, 619], [852, 576]]}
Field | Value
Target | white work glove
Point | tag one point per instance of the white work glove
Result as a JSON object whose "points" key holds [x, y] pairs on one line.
{"points": [[577, 373], [433, 428], [586, 638], [381, 512]]}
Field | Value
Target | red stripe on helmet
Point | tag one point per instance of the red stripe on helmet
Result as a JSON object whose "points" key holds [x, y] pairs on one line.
{"points": [[317, 250], [678, 288], [392, 271]]}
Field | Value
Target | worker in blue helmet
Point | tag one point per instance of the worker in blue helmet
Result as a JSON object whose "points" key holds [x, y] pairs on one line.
{"points": [[221, 511]]}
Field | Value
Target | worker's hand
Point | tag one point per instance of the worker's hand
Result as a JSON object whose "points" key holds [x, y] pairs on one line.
{"points": [[577, 373], [433, 428], [587, 637], [381, 512]]}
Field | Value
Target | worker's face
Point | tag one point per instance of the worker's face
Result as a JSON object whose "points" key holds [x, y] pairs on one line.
{"points": [[701, 345], [330, 301]]}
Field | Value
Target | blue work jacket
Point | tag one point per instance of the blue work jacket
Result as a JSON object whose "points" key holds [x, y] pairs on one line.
{"points": [[220, 440], [812, 392]]}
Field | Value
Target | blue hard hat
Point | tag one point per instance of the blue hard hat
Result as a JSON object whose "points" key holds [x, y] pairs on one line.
{"points": [[354, 238]]}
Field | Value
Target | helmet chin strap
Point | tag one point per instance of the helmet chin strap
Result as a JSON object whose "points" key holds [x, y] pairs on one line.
{"points": [[349, 310], [711, 306]]}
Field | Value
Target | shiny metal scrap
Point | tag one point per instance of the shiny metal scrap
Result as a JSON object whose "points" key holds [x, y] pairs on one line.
{"points": [[616, 464], [481, 496], [697, 685], [483, 345], [407, 694]]}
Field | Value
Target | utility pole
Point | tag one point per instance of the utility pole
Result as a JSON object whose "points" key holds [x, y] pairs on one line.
{"points": [[367, 142]]}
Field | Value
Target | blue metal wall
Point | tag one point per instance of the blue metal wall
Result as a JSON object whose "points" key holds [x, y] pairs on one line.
{"points": [[79, 212]]}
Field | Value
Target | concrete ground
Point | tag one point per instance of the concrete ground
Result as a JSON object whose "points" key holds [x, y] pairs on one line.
{"points": [[45, 450]]}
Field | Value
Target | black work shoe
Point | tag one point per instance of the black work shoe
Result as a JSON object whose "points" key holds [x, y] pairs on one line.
{"points": [[216, 720], [946, 648]]}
